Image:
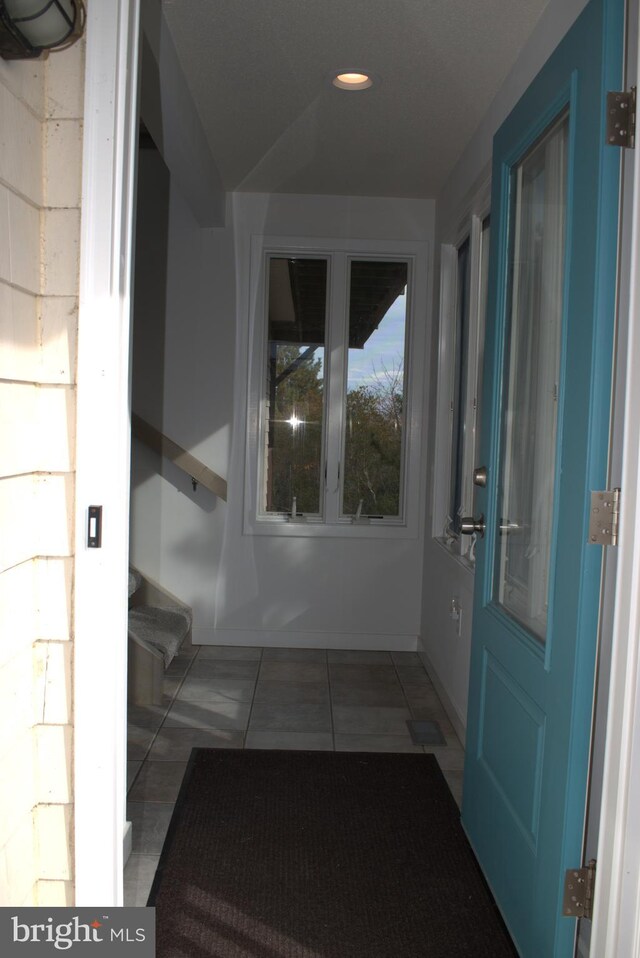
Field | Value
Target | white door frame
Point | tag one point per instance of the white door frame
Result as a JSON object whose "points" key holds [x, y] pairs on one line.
{"points": [[103, 448], [616, 924], [102, 477]]}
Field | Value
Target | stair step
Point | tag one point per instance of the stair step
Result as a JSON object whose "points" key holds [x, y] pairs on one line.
{"points": [[164, 629], [135, 581]]}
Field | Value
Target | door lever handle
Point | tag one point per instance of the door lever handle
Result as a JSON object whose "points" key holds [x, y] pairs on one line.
{"points": [[469, 525]]}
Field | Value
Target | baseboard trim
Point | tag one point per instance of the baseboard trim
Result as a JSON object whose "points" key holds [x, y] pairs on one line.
{"points": [[452, 712], [306, 640]]}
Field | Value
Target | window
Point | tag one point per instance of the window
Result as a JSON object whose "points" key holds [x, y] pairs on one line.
{"points": [[334, 390], [294, 400], [375, 394], [464, 279], [460, 384], [483, 270]]}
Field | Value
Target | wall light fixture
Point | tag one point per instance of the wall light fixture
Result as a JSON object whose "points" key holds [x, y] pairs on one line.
{"points": [[29, 28]]}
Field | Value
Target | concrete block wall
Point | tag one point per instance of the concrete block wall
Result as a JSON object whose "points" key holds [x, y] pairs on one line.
{"points": [[40, 188]]}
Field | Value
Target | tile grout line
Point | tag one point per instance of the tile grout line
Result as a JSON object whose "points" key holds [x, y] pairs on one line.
{"points": [[333, 728], [146, 757], [172, 702], [404, 695], [253, 699], [157, 729]]}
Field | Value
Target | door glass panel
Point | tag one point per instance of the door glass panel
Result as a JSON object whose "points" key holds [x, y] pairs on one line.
{"points": [[374, 428], [530, 405], [460, 383], [483, 291], [295, 385]]}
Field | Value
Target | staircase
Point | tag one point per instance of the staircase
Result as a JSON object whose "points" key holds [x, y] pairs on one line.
{"points": [[159, 624], [157, 632]]}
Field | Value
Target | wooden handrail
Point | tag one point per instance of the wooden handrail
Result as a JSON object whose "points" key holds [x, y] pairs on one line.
{"points": [[197, 470]]}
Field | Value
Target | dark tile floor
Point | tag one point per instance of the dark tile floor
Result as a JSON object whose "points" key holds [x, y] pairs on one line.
{"points": [[227, 697]]}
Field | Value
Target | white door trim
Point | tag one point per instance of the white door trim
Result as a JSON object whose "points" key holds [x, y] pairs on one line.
{"points": [[616, 924], [103, 449]]}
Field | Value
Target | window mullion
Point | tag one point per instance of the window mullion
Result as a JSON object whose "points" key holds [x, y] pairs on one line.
{"points": [[336, 334]]}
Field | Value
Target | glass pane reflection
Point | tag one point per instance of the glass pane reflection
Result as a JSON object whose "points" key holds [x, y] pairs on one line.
{"points": [[530, 406], [295, 385], [375, 400]]}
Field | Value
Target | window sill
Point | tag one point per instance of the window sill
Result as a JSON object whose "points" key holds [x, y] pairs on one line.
{"points": [[317, 528]]}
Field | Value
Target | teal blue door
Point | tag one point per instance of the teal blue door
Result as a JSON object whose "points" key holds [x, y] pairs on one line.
{"points": [[545, 435]]}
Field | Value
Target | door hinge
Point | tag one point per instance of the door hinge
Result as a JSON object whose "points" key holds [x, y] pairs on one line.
{"points": [[605, 518], [621, 118], [578, 891]]}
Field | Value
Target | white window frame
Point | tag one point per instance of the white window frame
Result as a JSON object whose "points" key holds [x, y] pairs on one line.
{"points": [[340, 253], [469, 226]]}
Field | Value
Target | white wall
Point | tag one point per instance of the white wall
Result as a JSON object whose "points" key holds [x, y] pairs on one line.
{"points": [[169, 114], [336, 592], [183, 331], [445, 651], [183, 358], [253, 589]]}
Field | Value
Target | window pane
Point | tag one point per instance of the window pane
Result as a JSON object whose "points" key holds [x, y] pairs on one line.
{"points": [[374, 429], [295, 385], [527, 469], [485, 237], [460, 380]]}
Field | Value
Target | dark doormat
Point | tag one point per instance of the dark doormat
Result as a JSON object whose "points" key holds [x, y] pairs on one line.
{"points": [[283, 854]]}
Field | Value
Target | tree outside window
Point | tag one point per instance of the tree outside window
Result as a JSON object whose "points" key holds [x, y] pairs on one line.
{"points": [[334, 444]]}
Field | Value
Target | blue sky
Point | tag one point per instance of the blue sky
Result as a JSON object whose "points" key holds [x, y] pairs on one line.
{"points": [[383, 350]]}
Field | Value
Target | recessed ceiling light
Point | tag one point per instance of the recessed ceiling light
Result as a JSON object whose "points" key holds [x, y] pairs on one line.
{"points": [[352, 81]]}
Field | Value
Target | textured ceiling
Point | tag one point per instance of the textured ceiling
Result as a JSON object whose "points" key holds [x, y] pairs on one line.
{"points": [[260, 71]]}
